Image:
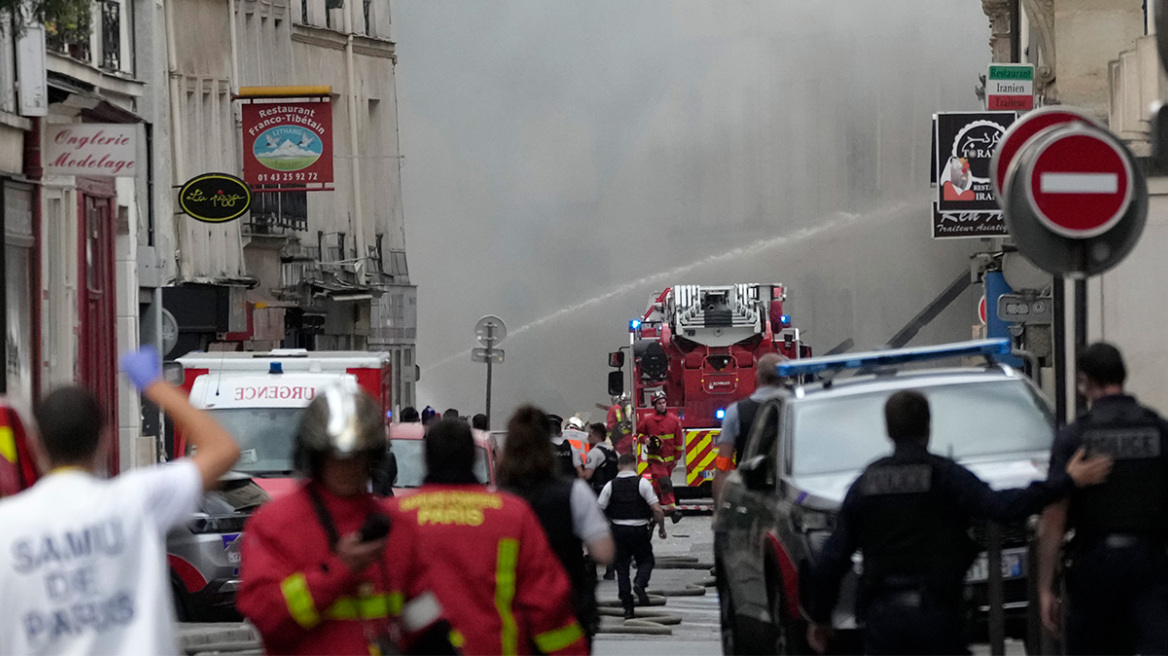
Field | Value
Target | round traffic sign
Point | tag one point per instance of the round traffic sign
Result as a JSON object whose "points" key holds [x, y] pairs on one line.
{"points": [[1019, 133], [1052, 250], [490, 330], [981, 310], [1078, 180]]}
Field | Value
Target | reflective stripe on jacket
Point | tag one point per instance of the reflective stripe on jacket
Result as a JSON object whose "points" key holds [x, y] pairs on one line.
{"points": [[493, 570], [301, 597]]}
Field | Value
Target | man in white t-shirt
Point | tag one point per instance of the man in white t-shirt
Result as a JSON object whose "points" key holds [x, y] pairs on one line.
{"points": [[83, 558]]}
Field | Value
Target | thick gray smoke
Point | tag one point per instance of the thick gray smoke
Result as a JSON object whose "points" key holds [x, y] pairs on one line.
{"points": [[565, 160]]}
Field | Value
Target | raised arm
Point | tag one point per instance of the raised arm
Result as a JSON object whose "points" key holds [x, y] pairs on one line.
{"points": [[216, 450]]}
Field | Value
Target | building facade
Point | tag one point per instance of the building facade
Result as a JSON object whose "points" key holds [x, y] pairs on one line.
{"points": [[1101, 56], [96, 264]]}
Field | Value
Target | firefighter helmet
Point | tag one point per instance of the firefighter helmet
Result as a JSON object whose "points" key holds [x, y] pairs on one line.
{"points": [[653, 445], [342, 422], [576, 423], [659, 395]]}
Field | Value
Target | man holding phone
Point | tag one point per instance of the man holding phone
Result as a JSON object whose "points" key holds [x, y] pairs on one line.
{"points": [[326, 569]]}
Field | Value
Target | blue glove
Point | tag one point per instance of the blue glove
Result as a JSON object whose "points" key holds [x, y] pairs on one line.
{"points": [[143, 367]]}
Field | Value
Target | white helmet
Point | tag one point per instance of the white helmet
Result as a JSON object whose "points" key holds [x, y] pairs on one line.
{"points": [[576, 423]]}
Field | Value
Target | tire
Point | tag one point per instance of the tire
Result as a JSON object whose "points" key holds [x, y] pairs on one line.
{"points": [[726, 616], [790, 634], [182, 604]]}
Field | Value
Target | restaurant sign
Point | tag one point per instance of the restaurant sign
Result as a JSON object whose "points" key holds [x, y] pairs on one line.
{"points": [[214, 198], [288, 143]]}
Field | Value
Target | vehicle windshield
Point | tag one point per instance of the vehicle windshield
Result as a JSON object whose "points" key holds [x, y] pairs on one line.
{"points": [[265, 437], [411, 464], [970, 420]]}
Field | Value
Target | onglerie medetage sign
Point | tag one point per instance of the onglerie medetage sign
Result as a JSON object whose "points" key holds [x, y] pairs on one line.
{"points": [[214, 197], [91, 149], [965, 204]]}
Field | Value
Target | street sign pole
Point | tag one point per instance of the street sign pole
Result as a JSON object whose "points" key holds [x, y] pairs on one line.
{"points": [[489, 331], [490, 344]]}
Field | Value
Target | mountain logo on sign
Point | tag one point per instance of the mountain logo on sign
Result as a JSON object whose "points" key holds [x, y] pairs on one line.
{"points": [[976, 143], [287, 148]]}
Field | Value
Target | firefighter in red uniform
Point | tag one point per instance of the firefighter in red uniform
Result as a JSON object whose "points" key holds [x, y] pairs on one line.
{"points": [[486, 556], [320, 575], [620, 424], [661, 444]]}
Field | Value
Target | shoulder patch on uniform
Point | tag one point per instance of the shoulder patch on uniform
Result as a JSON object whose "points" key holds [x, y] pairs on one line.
{"points": [[1124, 443], [897, 479]]}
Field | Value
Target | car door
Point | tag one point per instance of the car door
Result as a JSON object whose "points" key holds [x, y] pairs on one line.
{"points": [[752, 518]]}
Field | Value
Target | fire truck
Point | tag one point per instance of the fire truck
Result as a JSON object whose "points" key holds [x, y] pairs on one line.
{"points": [[700, 343]]}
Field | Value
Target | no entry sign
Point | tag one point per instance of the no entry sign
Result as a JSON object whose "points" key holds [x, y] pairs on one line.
{"points": [[1020, 132], [1073, 198], [1079, 182]]}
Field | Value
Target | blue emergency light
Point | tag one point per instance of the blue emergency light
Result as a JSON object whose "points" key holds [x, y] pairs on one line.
{"points": [[987, 348], [784, 319], [720, 413], [275, 368], [634, 324]]}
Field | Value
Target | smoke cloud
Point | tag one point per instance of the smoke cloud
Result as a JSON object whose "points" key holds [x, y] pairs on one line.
{"points": [[565, 161]]}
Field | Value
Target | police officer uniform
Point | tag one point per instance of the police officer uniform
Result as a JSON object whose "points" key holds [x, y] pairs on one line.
{"points": [[909, 514], [1117, 581], [628, 501]]}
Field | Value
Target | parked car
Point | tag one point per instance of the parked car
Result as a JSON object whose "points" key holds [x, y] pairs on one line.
{"points": [[406, 445], [809, 443], [203, 554]]}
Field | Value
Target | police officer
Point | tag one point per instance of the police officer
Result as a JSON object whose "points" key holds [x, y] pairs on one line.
{"points": [[630, 502], [739, 418], [1117, 584], [909, 514]]}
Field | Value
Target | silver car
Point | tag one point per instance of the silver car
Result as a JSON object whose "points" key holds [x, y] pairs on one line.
{"points": [[203, 554], [810, 442]]}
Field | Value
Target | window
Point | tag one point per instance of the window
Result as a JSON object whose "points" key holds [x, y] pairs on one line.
{"points": [[845, 433]]}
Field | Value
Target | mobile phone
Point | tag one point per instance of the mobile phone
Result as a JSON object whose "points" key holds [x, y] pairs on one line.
{"points": [[376, 526]]}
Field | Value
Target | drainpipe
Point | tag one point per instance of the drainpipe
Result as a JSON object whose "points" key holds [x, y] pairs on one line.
{"points": [[176, 128], [358, 230], [34, 172]]}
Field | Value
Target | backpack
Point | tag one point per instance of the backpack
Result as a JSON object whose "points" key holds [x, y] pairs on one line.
{"points": [[606, 471], [566, 458]]}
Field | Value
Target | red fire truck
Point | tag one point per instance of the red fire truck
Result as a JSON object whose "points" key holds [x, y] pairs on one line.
{"points": [[699, 344]]}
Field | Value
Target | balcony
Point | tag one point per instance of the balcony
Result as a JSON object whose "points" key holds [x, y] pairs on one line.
{"points": [[76, 35]]}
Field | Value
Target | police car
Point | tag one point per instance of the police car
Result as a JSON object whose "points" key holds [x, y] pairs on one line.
{"points": [[203, 553], [809, 443]]}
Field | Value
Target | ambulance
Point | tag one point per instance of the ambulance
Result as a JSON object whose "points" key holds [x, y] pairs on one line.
{"points": [[258, 397]]}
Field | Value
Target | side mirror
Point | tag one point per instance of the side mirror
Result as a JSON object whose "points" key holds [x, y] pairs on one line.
{"points": [[172, 372], [616, 383], [616, 359], [757, 473]]}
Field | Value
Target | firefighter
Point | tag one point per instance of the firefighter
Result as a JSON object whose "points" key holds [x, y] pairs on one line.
{"points": [[909, 515], [1117, 583], [320, 574], [739, 418], [660, 445], [619, 423], [576, 434], [486, 555]]}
